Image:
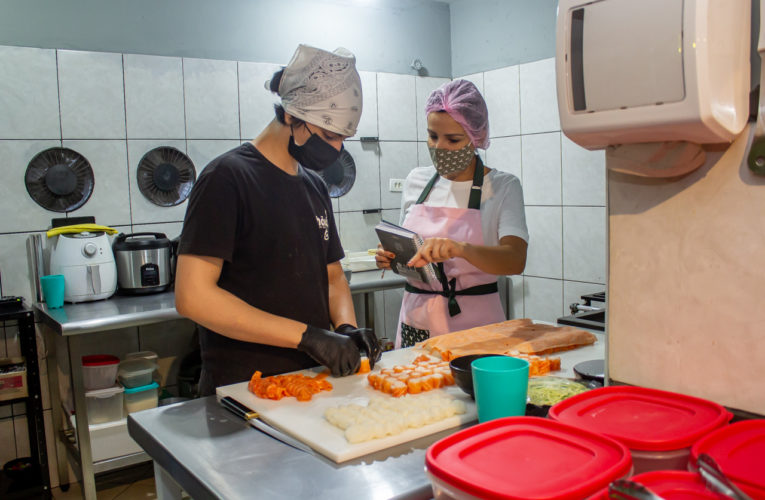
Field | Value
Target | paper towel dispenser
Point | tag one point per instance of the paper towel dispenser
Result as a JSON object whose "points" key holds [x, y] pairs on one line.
{"points": [[636, 71]]}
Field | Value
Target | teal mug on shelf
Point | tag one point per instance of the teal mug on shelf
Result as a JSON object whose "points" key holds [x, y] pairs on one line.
{"points": [[53, 290]]}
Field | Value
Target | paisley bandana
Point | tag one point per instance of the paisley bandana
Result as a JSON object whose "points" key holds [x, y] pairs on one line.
{"points": [[449, 161], [323, 88]]}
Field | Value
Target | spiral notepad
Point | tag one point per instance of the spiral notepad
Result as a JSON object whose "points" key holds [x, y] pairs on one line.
{"points": [[404, 243]]}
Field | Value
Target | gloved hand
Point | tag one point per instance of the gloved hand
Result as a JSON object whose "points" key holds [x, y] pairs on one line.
{"points": [[337, 352], [365, 340]]}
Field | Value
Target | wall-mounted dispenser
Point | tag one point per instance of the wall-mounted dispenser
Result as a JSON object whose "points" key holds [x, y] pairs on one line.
{"points": [[652, 71]]}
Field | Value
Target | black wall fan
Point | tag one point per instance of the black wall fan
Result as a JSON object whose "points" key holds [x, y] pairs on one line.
{"points": [[341, 175], [165, 176], [59, 179]]}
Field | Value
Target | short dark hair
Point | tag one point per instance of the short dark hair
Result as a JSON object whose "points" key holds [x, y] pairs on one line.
{"points": [[279, 112]]}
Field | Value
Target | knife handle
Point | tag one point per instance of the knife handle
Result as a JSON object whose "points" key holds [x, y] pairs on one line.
{"points": [[238, 408]]}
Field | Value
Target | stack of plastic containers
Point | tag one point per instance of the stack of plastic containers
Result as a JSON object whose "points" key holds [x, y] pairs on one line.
{"points": [[141, 391], [658, 427], [102, 394], [517, 458]]}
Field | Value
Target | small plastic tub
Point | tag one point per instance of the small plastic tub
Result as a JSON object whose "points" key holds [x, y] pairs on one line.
{"points": [[104, 405], [517, 458], [148, 355], [739, 450], [658, 427], [141, 398], [99, 371], [136, 372], [670, 485]]}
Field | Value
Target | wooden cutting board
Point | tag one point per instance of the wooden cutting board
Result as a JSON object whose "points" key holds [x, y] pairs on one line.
{"points": [[305, 420]]}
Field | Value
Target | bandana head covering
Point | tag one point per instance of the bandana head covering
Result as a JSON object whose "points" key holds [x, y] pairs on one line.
{"points": [[322, 88], [463, 102]]}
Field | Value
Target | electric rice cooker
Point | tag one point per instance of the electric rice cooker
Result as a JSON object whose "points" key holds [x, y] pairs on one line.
{"points": [[143, 262]]}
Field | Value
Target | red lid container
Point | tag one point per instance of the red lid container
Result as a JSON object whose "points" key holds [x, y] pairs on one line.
{"points": [[641, 418], [100, 360], [671, 485], [739, 450], [526, 457]]}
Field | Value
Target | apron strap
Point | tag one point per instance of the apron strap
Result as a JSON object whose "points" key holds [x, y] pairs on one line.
{"points": [[451, 294]]}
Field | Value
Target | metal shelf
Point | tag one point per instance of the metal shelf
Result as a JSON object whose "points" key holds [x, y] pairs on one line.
{"points": [[34, 410]]}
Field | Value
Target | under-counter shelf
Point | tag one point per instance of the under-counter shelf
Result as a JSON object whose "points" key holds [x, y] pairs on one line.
{"points": [[39, 485]]}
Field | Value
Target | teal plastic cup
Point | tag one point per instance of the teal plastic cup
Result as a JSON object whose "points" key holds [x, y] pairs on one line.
{"points": [[53, 290], [501, 384]]}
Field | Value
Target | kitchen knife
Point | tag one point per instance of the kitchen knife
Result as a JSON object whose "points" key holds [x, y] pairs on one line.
{"points": [[253, 417]]}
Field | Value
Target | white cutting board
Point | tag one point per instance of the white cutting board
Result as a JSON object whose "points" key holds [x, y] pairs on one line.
{"points": [[305, 420]]}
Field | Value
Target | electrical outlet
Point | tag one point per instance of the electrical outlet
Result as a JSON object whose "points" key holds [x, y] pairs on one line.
{"points": [[396, 185]]}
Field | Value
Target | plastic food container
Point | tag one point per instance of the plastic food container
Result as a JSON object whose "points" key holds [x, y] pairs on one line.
{"points": [[141, 398], [670, 485], [136, 372], [104, 405], [739, 450], [658, 427], [99, 371], [524, 457], [151, 356]]}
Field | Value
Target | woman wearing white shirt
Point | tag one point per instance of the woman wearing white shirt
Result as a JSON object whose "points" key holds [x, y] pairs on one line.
{"points": [[471, 217]]}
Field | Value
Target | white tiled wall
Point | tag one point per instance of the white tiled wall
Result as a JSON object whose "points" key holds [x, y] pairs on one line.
{"points": [[563, 188], [113, 108]]}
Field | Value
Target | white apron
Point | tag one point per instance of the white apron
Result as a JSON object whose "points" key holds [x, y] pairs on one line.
{"points": [[468, 297]]}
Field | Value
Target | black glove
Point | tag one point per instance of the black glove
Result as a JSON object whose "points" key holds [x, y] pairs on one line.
{"points": [[365, 340], [337, 352]]}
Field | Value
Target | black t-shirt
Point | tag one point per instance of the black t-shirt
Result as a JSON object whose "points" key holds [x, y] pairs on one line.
{"points": [[276, 234]]}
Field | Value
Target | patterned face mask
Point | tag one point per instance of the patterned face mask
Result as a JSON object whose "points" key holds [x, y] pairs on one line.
{"points": [[449, 161]]}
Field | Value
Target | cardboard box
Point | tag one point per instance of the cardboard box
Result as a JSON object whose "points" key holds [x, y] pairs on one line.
{"points": [[13, 378]]}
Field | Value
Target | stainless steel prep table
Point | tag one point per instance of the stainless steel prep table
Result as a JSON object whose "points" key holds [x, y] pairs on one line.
{"points": [[69, 324], [204, 450]]}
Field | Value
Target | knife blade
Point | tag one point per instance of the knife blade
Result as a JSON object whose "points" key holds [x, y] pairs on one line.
{"points": [[253, 417]]}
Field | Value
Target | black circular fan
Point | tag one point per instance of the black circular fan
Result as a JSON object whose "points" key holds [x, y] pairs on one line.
{"points": [[59, 179], [341, 175], [165, 176]]}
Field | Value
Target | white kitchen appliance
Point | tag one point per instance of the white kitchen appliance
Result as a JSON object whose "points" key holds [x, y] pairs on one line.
{"points": [[652, 70], [87, 262]]}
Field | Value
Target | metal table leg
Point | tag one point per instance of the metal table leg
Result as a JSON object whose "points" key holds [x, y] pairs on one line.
{"points": [[369, 310], [167, 488], [80, 408], [57, 413]]}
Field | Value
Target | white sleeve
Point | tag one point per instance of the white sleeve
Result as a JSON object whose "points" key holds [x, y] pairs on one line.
{"points": [[512, 214]]}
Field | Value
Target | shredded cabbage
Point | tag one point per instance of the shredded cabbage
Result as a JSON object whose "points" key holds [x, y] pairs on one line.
{"points": [[546, 391]]}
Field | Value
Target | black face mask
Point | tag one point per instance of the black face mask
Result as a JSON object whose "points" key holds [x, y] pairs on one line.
{"points": [[315, 154]]}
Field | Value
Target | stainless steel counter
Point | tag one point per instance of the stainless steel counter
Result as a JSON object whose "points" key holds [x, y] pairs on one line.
{"points": [[122, 311], [203, 449], [68, 328]]}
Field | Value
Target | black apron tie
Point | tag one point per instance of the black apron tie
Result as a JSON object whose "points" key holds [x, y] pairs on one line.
{"points": [[449, 290]]}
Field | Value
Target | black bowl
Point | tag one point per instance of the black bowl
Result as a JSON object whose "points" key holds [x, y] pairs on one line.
{"points": [[463, 374], [21, 470]]}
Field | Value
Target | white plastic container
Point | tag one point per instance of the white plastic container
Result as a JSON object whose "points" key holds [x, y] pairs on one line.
{"points": [[151, 356], [141, 398], [104, 405], [136, 372], [99, 371]]}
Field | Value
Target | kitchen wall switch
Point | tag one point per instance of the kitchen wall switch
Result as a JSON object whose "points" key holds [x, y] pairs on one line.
{"points": [[396, 185]]}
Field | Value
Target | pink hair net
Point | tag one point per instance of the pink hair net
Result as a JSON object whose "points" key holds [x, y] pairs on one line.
{"points": [[463, 102]]}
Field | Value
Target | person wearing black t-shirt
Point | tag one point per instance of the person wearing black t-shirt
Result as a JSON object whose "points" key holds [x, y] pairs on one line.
{"points": [[259, 256]]}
